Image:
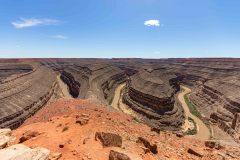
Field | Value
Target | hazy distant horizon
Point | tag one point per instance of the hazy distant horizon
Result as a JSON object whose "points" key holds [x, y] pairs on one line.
{"points": [[122, 58]]}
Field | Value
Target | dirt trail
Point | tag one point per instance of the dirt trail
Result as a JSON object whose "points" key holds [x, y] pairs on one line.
{"points": [[64, 88], [203, 132]]}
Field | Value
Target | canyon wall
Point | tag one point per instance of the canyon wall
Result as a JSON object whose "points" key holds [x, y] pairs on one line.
{"points": [[152, 86], [25, 94]]}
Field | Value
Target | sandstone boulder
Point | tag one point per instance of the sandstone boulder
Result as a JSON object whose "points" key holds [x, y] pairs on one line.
{"points": [[34, 154], [4, 141], [114, 155], [55, 156], [6, 132], [22, 152], [5, 137], [109, 139]]}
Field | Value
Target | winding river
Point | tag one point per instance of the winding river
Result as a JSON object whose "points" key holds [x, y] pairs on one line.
{"points": [[203, 132]]}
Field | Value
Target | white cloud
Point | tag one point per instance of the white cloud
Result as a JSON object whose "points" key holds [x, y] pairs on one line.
{"points": [[33, 22], [60, 37], [152, 22]]}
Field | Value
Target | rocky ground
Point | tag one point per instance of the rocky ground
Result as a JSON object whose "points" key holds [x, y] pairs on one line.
{"points": [[72, 129]]}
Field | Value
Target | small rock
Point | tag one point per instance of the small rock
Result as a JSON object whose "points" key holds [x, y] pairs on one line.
{"points": [[179, 134], [82, 120], [114, 155], [157, 130], [85, 140], [147, 144], [213, 144], [65, 116], [55, 156], [61, 145], [84, 115], [28, 135], [109, 139], [195, 151], [146, 150]]}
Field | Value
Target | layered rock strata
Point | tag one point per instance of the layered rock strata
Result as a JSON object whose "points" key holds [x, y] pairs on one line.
{"points": [[23, 96], [218, 100], [104, 80], [215, 86], [90, 78], [152, 94]]}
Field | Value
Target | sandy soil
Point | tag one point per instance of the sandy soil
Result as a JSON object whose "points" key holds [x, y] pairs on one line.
{"points": [[203, 132]]}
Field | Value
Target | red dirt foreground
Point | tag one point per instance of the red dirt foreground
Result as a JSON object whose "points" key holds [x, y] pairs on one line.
{"points": [[77, 129]]}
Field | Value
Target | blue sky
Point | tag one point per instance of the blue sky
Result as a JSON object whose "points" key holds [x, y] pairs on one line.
{"points": [[119, 28]]}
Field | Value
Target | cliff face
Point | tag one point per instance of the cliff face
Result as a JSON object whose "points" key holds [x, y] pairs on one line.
{"points": [[73, 85]]}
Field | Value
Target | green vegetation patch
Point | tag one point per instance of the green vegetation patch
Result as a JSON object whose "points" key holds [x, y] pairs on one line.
{"points": [[194, 111], [192, 107]]}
